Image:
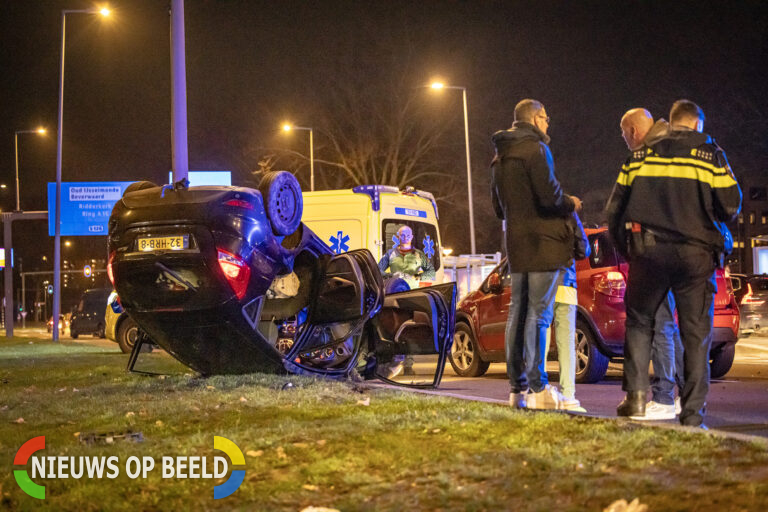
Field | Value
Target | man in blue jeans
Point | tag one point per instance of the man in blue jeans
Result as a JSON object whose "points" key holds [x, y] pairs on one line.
{"points": [[527, 196]]}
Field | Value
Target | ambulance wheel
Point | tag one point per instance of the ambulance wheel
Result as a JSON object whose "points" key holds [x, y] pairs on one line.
{"points": [[281, 193]]}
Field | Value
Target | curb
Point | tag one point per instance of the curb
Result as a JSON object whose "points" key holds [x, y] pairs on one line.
{"points": [[747, 438]]}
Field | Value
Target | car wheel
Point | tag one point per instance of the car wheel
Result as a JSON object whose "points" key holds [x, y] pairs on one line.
{"points": [[591, 364], [283, 201], [721, 360], [73, 334], [127, 334], [100, 332], [465, 357], [139, 185]]}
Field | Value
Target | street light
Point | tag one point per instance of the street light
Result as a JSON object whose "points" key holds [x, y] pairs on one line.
{"points": [[57, 200], [440, 86], [288, 127], [39, 131]]}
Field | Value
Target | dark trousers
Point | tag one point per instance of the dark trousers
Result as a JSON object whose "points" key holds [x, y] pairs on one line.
{"points": [[688, 270]]}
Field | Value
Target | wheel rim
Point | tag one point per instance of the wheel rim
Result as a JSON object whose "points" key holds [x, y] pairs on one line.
{"points": [[131, 335], [582, 351], [462, 351]]}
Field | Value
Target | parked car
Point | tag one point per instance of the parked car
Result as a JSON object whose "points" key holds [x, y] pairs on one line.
{"points": [[229, 280], [482, 315], [88, 315], [754, 304]]}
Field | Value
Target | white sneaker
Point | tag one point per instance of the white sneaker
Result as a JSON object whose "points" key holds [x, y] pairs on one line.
{"points": [[571, 404], [678, 406], [518, 400], [657, 411], [547, 398]]}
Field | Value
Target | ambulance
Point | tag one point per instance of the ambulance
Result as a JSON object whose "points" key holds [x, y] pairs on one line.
{"points": [[368, 217]]}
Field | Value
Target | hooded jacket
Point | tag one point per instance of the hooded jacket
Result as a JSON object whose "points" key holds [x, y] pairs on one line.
{"points": [[680, 188], [527, 195]]}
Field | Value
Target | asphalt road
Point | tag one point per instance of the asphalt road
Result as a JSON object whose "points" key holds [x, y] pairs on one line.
{"points": [[737, 403]]}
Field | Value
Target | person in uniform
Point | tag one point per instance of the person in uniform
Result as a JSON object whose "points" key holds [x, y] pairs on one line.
{"points": [[667, 213]]}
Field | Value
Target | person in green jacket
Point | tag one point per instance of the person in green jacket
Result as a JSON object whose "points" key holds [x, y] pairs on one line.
{"points": [[404, 259]]}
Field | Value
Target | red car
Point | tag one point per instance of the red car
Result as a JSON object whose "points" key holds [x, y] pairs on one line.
{"points": [[482, 316]]}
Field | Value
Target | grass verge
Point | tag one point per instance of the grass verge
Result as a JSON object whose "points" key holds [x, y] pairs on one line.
{"points": [[344, 446]]}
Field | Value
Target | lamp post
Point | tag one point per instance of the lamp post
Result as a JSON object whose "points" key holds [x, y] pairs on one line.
{"points": [[439, 86], [39, 131], [288, 127], [57, 199]]}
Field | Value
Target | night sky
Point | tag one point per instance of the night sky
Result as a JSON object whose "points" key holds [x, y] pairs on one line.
{"points": [[253, 64]]}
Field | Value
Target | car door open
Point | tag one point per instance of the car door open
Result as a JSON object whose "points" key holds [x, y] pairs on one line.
{"points": [[412, 334]]}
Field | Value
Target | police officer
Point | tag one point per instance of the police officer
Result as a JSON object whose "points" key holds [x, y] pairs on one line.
{"points": [[667, 213]]}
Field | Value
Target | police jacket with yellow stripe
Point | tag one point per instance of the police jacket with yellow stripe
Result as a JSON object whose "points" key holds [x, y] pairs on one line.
{"points": [[681, 188]]}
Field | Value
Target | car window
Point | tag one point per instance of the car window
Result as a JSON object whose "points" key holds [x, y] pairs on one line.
{"points": [[603, 254], [759, 284], [424, 237]]}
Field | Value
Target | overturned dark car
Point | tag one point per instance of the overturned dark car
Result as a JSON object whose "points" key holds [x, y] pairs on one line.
{"points": [[229, 280]]}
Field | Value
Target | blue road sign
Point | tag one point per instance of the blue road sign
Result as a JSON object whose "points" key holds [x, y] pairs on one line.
{"points": [[85, 206]]}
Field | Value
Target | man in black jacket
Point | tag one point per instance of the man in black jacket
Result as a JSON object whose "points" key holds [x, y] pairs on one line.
{"points": [[526, 194], [671, 201]]}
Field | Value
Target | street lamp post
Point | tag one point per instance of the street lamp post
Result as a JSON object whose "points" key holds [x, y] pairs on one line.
{"points": [[40, 131], [438, 86], [289, 127], [57, 199]]}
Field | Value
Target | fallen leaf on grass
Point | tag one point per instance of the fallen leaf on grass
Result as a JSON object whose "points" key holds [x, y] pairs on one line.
{"points": [[319, 509], [254, 453], [130, 414], [18, 420], [300, 445], [310, 487], [366, 401], [321, 442], [159, 423], [243, 399], [623, 506], [75, 390], [210, 387], [281, 453], [60, 390]]}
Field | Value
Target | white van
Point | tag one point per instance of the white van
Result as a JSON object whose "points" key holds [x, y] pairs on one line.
{"points": [[368, 217]]}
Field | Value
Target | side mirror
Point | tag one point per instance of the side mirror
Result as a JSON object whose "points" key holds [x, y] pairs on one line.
{"points": [[494, 283]]}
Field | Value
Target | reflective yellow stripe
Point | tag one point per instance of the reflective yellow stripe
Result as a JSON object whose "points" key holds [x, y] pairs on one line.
{"points": [[688, 161], [649, 170]]}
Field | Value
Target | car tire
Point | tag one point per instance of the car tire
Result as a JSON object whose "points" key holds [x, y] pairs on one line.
{"points": [[283, 201], [101, 332], [73, 334], [127, 334], [591, 364], [139, 185], [465, 356], [721, 360]]}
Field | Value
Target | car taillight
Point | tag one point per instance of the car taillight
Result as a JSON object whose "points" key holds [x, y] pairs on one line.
{"points": [[236, 270], [611, 284], [110, 272], [748, 299], [239, 203]]}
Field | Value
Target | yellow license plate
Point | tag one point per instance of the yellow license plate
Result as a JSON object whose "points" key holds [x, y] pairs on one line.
{"points": [[163, 243]]}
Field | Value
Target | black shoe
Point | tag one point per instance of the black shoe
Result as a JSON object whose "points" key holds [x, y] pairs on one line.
{"points": [[632, 405]]}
